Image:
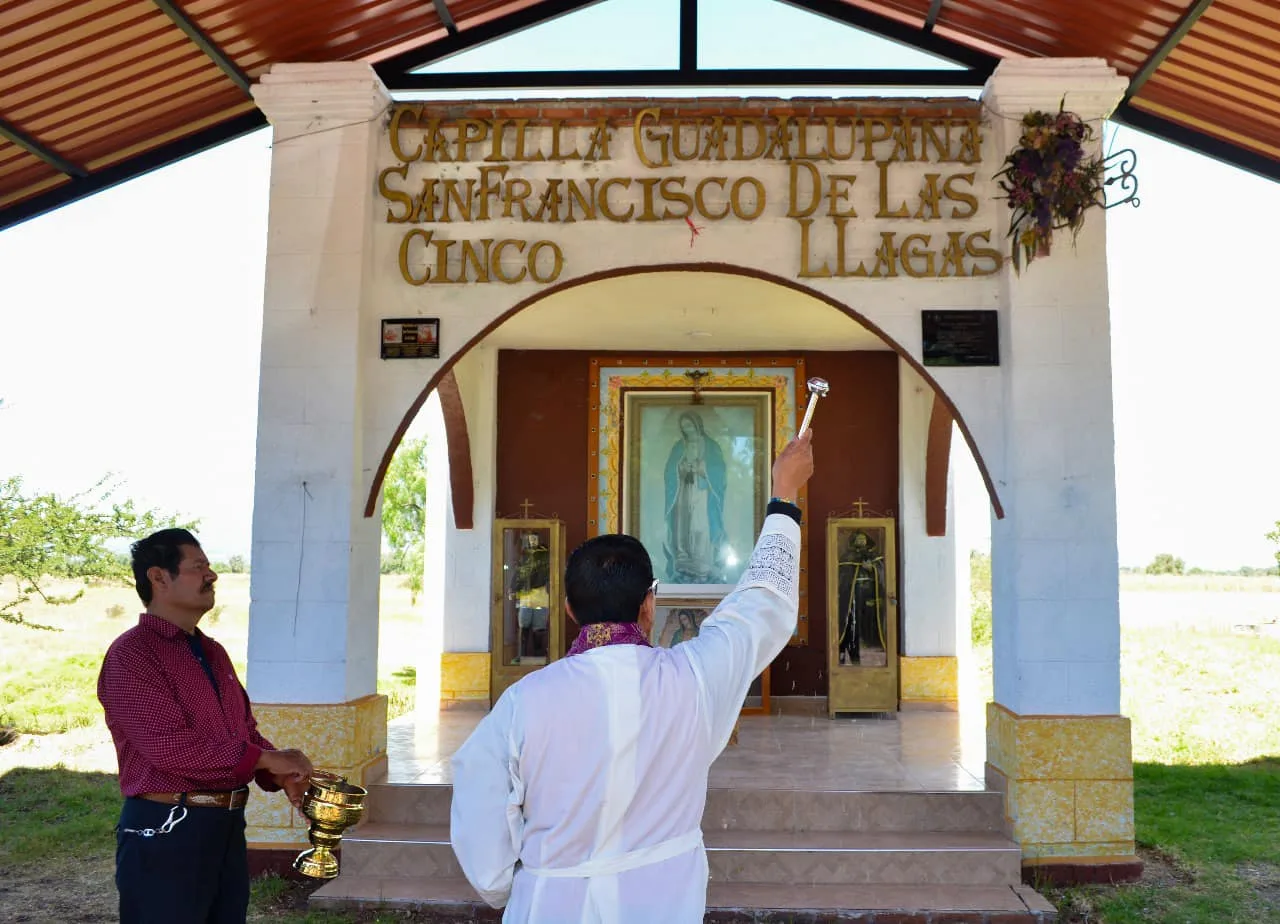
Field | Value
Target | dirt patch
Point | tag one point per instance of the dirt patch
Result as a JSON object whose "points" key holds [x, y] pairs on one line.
{"points": [[1079, 904], [84, 749], [60, 891], [288, 902], [1264, 878], [1161, 871]]}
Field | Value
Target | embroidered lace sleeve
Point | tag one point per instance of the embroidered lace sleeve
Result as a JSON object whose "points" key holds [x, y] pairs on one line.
{"points": [[774, 564]]}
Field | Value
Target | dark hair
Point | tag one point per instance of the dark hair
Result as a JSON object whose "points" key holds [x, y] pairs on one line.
{"points": [[159, 550], [607, 578]]}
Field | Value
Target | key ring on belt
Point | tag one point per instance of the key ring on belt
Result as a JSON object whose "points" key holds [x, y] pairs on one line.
{"points": [[169, 824]]}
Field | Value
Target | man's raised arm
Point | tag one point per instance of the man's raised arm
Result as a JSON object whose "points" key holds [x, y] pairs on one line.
{"points": [[752, 625]]}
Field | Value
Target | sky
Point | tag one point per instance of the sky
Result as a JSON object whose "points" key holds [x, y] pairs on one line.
{"points": [[130, 322]]}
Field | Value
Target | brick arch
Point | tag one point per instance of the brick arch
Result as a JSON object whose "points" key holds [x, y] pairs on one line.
{"points": [[944, 407]]}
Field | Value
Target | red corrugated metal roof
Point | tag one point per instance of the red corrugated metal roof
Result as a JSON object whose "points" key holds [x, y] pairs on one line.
{"points": [[92, 92]]}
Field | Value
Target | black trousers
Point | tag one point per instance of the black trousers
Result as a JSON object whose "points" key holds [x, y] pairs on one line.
{"points": [[197, 873]]}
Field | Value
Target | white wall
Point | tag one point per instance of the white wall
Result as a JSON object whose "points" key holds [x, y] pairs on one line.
{"points": [[928, 583], [468, 556]]}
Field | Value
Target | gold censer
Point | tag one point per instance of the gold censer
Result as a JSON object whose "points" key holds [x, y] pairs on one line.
{"points": [[332, 805]]}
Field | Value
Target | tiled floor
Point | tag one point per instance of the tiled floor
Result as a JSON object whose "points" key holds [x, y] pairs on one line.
{"points": [[906, 752]]}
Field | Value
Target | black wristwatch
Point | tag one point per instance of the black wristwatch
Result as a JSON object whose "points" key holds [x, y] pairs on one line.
{"points": [[784, 506]]}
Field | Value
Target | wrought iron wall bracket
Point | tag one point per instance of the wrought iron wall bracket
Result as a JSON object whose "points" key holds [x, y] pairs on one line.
{"points": [[1120, 168]]}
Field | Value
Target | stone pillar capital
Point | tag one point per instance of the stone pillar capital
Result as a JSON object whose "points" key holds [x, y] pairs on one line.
{"points": [[321, 94], [1090, 87]]}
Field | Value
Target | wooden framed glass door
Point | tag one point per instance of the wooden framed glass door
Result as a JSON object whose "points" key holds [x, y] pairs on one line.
{"points": [[528, 599], [862, 615]]}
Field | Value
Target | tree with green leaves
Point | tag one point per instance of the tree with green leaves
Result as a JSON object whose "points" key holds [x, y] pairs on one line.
{"points": [[1274, 536], [404, 511], [1164, 563], [45, 537]]}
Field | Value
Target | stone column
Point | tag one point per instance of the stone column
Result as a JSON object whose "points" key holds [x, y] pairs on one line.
{"points": [[1056, 743], [313, 616], [929, 675]]}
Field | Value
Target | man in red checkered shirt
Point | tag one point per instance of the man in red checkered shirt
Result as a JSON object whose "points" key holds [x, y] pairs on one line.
{"points": [[187, 746]]}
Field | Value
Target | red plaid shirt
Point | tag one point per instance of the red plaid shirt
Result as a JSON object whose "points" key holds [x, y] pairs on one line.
{"points": [[173, 732]]}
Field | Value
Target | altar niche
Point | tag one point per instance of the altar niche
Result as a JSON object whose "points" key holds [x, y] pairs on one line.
{"points": [[549, 402]]}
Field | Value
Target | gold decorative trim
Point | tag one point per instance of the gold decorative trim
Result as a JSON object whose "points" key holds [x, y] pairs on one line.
{"points": [[929, 679], [464, 676], [1067, 782]]}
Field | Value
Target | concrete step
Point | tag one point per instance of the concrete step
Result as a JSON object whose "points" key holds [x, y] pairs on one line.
{"points": [[758, 809], [731, 903], [397, 850]]}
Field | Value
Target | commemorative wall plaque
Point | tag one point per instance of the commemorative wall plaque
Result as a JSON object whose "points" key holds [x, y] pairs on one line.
{"points": [[960, 338], [411, 338]]}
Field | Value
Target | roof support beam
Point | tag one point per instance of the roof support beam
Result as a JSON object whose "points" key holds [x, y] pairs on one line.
{"points": [[1170, 42], [897, 31], [932, 19], [645, 79], [442, 10], [689, 35], [205, 44], [132, 167], [1201, 142], [467, 37], [32, 146]]}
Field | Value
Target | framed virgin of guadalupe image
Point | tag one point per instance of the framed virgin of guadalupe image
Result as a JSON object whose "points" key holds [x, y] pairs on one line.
{"points": [[681, 450], [695, 483], [677, 620]]}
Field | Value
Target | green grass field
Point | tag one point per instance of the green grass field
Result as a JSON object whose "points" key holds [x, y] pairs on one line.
{"points": [[49, 678], [1201, 680]]}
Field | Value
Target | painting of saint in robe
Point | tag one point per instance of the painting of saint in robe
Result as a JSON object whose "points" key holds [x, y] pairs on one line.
{"points": [[862, 600], [695, 484]]}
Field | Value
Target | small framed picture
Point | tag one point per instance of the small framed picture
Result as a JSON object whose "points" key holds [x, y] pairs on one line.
{"points": [[411, 338], [677, 620]]}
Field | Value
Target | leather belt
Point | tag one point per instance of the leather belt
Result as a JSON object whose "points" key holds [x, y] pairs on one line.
{"points": [[223, 800]]}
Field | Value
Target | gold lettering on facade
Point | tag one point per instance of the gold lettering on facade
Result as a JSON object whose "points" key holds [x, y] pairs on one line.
{"points": [[396, 195], [496, 261], [901, 211], [740, 202], [470, 174], [557, 262], [959, 195], [606, 208], [701, 202], [805, 271]]}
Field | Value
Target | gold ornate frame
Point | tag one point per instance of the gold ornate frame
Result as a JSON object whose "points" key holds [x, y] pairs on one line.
{"points": [[611, 378]]}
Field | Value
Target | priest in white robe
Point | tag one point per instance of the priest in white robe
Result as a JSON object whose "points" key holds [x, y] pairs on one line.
{"points": [[579, 797]]}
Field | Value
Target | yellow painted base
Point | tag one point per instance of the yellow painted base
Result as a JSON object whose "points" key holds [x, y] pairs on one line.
{"points": [[1068, 784], [464, 676], [933, 680], [345, 738]]}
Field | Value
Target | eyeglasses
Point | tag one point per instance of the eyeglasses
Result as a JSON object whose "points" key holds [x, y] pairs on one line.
{"points": [[653, 588]]}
